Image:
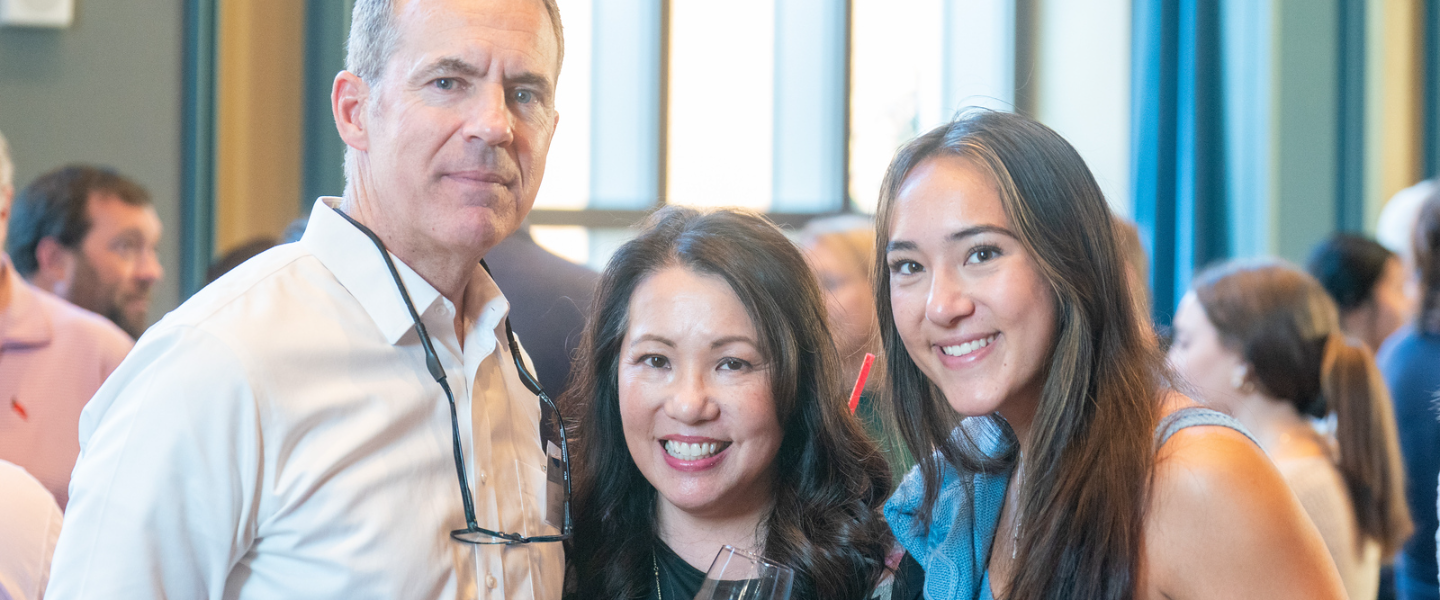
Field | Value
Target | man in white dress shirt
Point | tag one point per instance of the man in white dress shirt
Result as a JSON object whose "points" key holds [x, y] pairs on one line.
{"points": [[279, 435]]}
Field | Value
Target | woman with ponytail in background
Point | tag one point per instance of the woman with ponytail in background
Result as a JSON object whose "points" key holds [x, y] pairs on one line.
{"points": [[1262, 341]]}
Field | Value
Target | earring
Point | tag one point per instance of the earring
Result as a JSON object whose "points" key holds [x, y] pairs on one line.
{"points": [[1237, 378]]}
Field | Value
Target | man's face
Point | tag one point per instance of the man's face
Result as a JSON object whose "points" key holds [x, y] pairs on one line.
{"points": [[459, 124], [116, 265]]}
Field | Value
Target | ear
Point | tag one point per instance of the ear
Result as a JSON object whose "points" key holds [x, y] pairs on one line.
{"points": [[56, 266], [349, 99]]}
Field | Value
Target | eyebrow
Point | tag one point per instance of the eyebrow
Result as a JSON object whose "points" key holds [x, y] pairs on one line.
{"points": [[732, 339], [954, 237], [650, 337], [447, 66]]}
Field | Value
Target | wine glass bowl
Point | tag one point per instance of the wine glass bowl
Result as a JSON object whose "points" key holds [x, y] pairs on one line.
{"points": [[740, 575]]}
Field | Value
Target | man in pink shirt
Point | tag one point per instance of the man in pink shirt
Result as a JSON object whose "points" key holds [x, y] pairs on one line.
{"points": [[53, 356]]}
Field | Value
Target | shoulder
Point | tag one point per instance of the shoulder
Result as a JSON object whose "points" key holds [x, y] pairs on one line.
{"points": [[1219, 507]]}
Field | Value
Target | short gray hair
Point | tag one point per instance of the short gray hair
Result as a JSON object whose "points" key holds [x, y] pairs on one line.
{"points": [[372, 40], [7, 166], [373, 36]]}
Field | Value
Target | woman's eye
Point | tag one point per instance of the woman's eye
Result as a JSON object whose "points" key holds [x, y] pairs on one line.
{"points": [[905, 267], [982, 254], [522, 96], [733, 364], [654, 361]]}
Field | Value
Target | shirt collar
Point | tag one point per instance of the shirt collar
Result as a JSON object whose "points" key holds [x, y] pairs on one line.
{"points": [[356, 263], [23, 323]]}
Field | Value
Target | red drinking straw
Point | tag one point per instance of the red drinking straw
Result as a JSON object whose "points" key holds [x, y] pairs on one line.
{"points": [[860, 382]]}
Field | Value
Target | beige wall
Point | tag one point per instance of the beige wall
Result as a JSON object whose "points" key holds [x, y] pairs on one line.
{"points": [[1393, 96], [258, 124]]}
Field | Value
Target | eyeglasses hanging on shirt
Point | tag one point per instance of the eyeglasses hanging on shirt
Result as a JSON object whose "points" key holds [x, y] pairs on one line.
{"points": [[473, 533]]}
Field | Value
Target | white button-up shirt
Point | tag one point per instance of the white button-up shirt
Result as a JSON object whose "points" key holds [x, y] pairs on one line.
{"points": [[278, 436]]}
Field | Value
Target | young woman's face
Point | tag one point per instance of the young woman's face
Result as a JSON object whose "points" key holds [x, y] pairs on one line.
{"points": [[695, 396], [1198, 356], [969, 302]]}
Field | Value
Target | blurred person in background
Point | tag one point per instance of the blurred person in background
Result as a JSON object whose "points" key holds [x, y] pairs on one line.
{"points": [[1410, 362], [1367, 283], [1262, 341], [29, 525], [841, 251], [53, 356], [89, 235]]}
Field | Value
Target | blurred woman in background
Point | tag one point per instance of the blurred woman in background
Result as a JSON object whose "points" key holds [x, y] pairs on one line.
{"points": [[841, 250], [1054, 460], [711, 413], [1410, 362], [1262, 341], [1367, 283]]}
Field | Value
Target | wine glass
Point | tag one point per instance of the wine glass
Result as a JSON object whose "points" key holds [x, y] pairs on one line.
{"points": [[740, 575]]}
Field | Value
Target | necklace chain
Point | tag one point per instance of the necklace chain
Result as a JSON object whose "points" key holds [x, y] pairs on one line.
{"points": [[656, 565]]}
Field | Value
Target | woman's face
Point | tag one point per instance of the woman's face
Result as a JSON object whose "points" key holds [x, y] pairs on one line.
{"points": [[695, 396], [970, 303], [1392, 305], [1198, 356], [849, 300]]}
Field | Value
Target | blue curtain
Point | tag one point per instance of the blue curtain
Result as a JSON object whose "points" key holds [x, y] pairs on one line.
{"points": [[1178, 144]]}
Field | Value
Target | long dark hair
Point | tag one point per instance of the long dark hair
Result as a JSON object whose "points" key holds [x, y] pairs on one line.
{"points": [[1284, 324], [1090, 453], [830, 479], [1425, 245]]}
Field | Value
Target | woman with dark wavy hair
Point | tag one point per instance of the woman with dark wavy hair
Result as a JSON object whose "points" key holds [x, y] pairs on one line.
{"points": [[1054, 460], [711, 413]]}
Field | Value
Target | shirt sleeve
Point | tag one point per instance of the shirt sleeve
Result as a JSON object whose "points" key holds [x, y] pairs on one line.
{"points": [[164, 496]]}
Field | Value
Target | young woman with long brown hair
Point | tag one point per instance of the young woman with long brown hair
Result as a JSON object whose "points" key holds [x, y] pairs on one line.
{"points": [[1262, 341], [1054, 460]]}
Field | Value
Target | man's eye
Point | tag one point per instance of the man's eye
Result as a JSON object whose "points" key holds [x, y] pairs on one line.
{"points": [[445, 83], [522, 96]]}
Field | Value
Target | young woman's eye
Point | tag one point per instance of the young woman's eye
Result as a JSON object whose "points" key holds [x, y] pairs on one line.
{"points": [[982, 254], [733, 364], [905, 267], [655, 361]]}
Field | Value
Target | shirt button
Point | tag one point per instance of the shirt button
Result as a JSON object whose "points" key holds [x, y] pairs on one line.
{"points": [[490, 581], [482, 478]]}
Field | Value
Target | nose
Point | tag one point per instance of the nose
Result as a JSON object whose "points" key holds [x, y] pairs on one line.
{"points": [[491, 119], [148, 269], [949, 300], [691, 403]]}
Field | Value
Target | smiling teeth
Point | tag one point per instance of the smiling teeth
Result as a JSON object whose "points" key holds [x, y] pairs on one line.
{"points": [[968, 347], [686, 451]]}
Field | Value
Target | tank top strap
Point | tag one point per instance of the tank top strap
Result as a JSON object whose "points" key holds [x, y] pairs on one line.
{"points": [[1194, 416]]}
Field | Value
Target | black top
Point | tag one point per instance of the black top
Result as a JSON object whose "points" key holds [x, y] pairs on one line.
{"points": [[677, 580]]}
